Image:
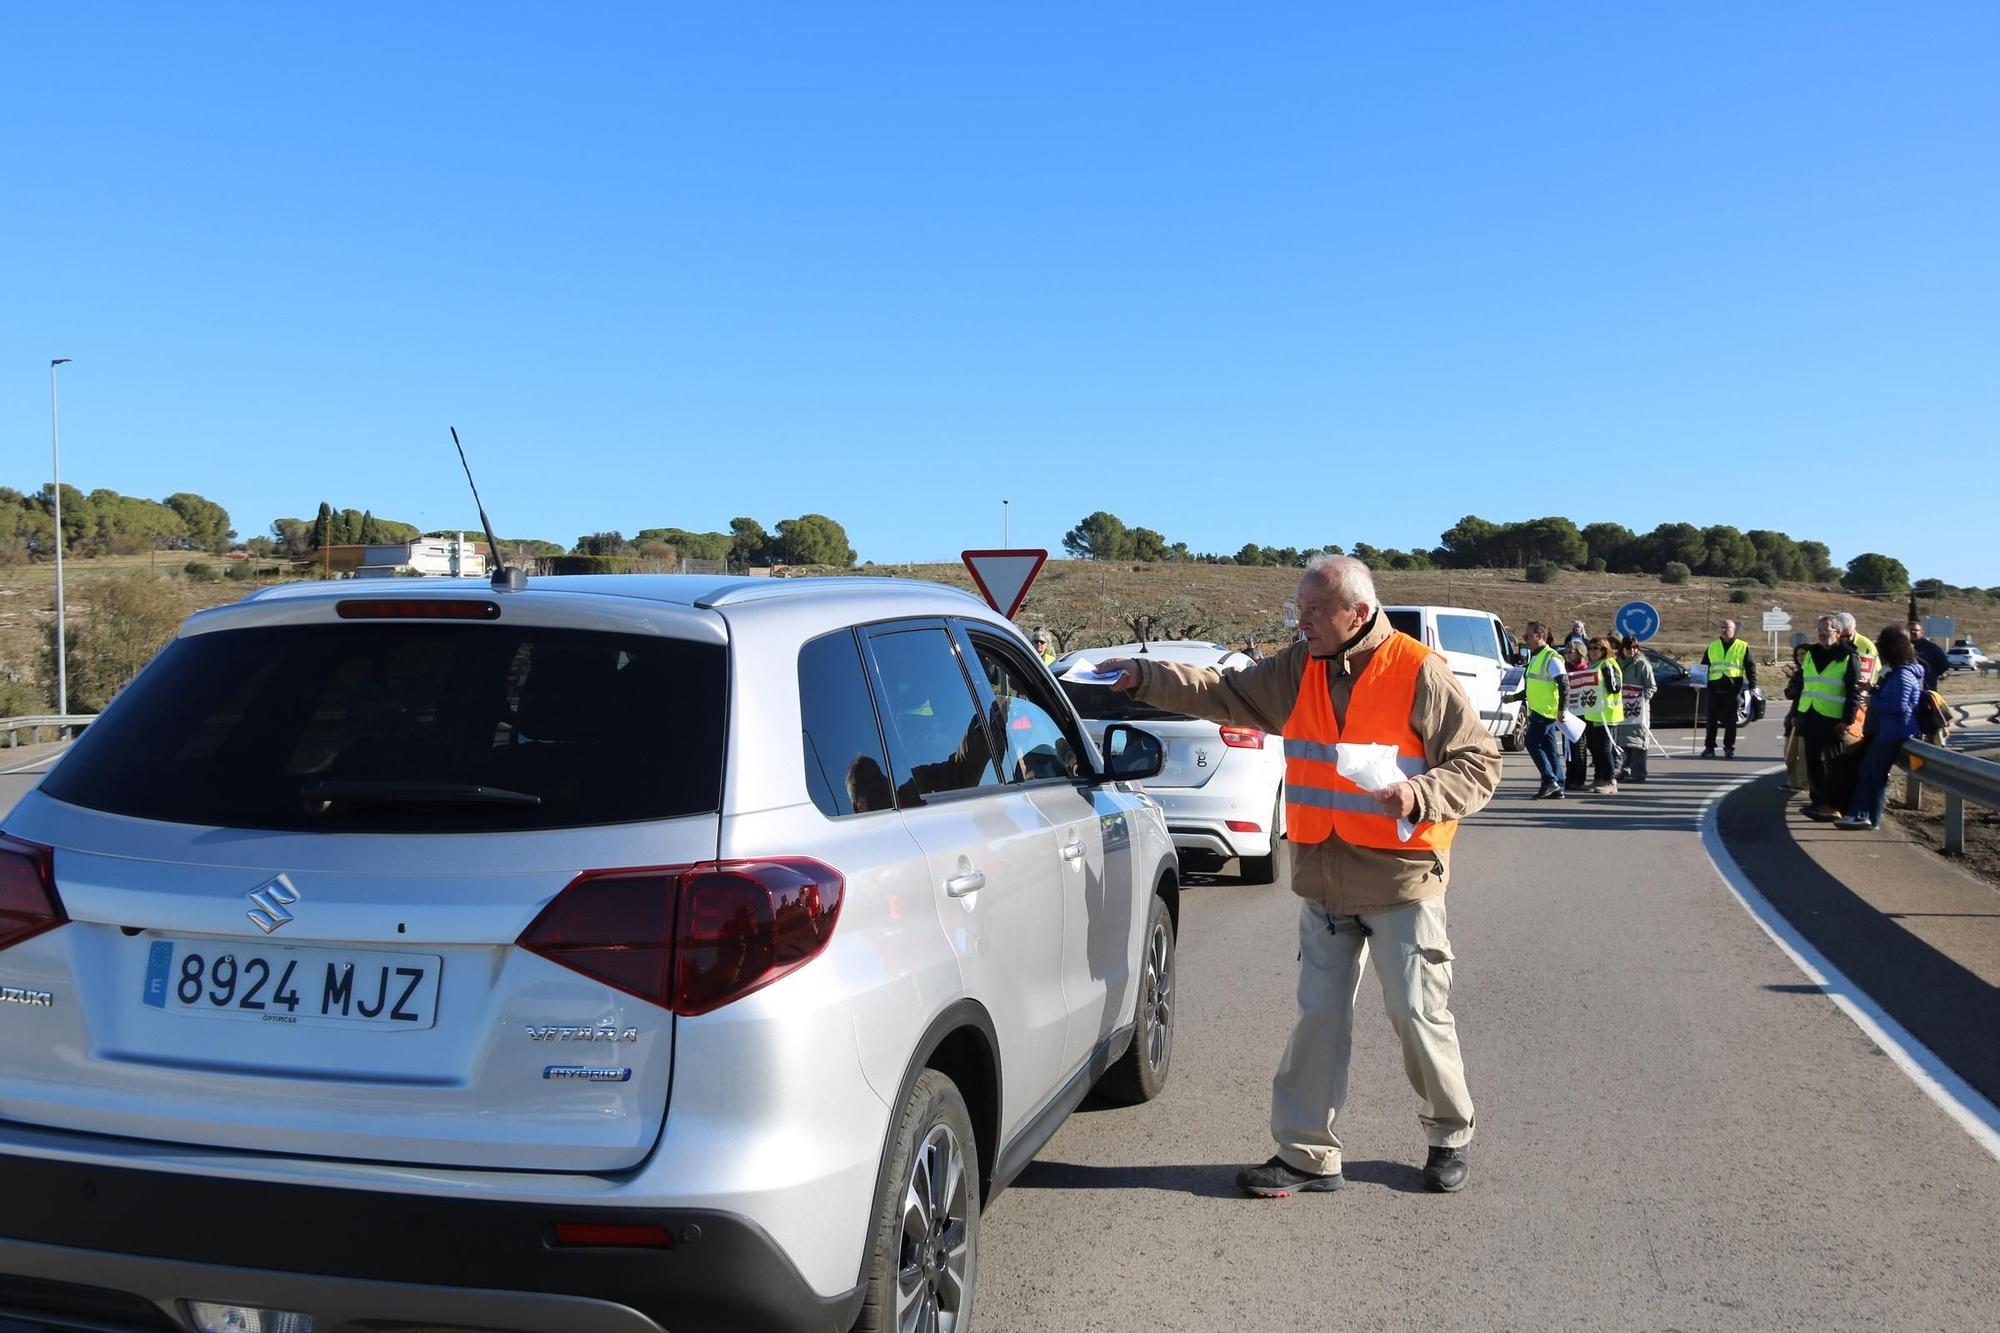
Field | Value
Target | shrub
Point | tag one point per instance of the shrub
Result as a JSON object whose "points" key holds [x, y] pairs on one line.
{"points": [[1599, 565], [1675, 572], [1543, 571], [115, 626], [1740, 596], [590, 564], [200, 571]]}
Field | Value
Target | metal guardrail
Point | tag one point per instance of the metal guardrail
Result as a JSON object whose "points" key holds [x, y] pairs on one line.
{"points": [[61, 723], [1961, 777]]}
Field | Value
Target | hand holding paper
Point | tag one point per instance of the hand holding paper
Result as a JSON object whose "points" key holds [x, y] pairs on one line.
{"points": [[1372, 768], [1086, 672]]}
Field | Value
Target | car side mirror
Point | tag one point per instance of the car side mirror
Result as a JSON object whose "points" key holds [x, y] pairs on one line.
{"points": [[1132, 755]]}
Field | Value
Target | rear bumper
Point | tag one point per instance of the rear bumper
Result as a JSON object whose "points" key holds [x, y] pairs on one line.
{"points": [[1197, 819], [77, 1239]]}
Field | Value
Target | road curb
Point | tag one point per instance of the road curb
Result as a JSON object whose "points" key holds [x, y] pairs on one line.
{"points": [[1975, 1114]]}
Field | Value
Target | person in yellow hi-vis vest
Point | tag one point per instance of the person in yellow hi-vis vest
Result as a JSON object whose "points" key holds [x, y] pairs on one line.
{"points": [[1829, 697], [1603, 708], [1369, 854], [1867, 661], [1731, 671]]}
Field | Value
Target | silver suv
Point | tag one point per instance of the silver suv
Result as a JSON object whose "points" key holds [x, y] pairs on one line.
{"points": [[622, 953]]}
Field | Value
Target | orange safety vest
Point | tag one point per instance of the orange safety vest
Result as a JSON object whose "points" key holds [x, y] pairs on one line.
{"points": [[1319, 802]]}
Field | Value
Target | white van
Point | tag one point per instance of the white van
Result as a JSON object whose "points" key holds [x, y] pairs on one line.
{"points": [[1479, 649]]}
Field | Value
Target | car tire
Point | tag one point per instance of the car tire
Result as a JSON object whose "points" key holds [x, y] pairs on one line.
{"points": [[1516, 738], [1141, 1073], [924, 1255], [1264, 869]]}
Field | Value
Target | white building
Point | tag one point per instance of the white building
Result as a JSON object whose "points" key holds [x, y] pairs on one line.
{"points": [[450, 556]]}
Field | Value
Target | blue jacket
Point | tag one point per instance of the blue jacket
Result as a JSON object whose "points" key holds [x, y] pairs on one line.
{"points": [[1892, 703]]}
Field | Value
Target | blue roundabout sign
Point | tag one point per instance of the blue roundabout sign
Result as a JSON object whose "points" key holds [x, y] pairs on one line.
{"points": [[1638, 619]]}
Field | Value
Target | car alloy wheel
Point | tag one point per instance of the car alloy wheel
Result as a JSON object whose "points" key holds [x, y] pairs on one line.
{"points": [[931, 1271], [1159, 993]]}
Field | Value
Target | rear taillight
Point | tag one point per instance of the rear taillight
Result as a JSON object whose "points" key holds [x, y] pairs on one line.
{"points": [[691, 938], [1243, 738], [28, 901]]}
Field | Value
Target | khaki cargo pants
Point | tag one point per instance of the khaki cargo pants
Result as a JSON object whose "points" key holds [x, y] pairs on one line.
{"points": [[1413, 960]]}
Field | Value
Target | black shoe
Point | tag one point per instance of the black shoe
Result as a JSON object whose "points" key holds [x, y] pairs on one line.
{"points": [[1709, 753], [1729, 753], [1275, 1180], [1556, 794], [1548, 789], [1445, 1170]]}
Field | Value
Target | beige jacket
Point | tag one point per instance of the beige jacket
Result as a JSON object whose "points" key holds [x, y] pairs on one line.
{"points": [[1464, 761]]}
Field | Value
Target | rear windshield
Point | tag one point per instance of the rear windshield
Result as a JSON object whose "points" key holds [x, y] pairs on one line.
{"points": [[409, 727], [1101, 703], [1409, 622]]}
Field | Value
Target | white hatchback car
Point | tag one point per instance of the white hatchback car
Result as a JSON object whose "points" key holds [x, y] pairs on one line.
{"points": [[609, 955], [1223, 788]]}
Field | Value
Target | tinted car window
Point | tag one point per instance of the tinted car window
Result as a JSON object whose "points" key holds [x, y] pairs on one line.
{"points": [[935, 730], [1666, 670], [409, 727], [1410, 622], [1035, 745], [846, 771], [1101, 703], [1468, 634]]}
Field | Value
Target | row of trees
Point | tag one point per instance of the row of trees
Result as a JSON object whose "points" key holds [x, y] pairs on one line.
{"points": [[810, 539], [107, 523], [1477, 543]]}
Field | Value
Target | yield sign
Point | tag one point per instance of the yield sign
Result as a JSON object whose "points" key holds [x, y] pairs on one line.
{"points": [[1004, 576]]}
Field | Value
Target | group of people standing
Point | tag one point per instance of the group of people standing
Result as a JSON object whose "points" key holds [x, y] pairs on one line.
{"points": [[1605, 686], [1856, 700]]}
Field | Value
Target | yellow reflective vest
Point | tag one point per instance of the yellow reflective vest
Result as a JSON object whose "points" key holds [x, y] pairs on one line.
{"points": [[1824, 692], [1544, 700], [1725, 661]]}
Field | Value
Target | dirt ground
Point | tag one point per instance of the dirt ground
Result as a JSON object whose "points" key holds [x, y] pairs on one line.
{"points": [[1982, 826]]}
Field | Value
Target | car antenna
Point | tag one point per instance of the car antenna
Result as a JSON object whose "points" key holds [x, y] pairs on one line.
{"points": [[506, 577]]}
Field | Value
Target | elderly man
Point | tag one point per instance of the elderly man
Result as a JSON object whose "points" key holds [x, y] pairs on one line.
{"points": [[1865, 659], [1731, 670], [1370, 864], [1829, 698]]}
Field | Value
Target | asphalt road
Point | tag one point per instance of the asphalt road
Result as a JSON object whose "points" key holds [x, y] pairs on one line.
{"points": [[1675, 1130]]}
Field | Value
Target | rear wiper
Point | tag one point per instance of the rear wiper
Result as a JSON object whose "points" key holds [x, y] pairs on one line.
{"points": [[396, 792]]}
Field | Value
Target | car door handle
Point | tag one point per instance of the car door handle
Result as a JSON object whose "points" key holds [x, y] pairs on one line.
{"points": [[1073, 851], [970, 882]]}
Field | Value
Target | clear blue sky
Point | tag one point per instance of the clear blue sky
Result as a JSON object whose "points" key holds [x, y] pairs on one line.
{"points": [[1286, 274]]}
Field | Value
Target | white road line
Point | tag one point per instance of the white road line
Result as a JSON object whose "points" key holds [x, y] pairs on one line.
{"points": [[1961, 1101], [28, 765]]}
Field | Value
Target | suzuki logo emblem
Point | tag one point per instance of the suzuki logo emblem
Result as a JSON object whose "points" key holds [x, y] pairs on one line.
{"points": [[271, 899]]}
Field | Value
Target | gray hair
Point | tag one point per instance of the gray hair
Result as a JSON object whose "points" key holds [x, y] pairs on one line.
{"points": [[1347, 579], [1846, 619]]}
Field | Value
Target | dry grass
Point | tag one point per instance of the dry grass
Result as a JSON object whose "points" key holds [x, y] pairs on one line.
{"points": [[1236, 599], [27, 601]]}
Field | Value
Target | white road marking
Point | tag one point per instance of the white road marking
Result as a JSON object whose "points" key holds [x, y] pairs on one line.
{"points": [[1961, 1101]]}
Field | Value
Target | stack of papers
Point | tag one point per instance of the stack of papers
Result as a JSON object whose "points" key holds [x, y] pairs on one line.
{"points": [[1083, 671]]}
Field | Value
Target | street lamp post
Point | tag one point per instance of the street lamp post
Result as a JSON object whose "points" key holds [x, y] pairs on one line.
{"points": [[62, 632]]}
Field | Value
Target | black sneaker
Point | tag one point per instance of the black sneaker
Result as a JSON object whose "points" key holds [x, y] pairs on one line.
{"points": [[1729, 753], [1445, 1170], [1548, 789], [1709, 753], [1555, 794], [1276, 1180]]}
